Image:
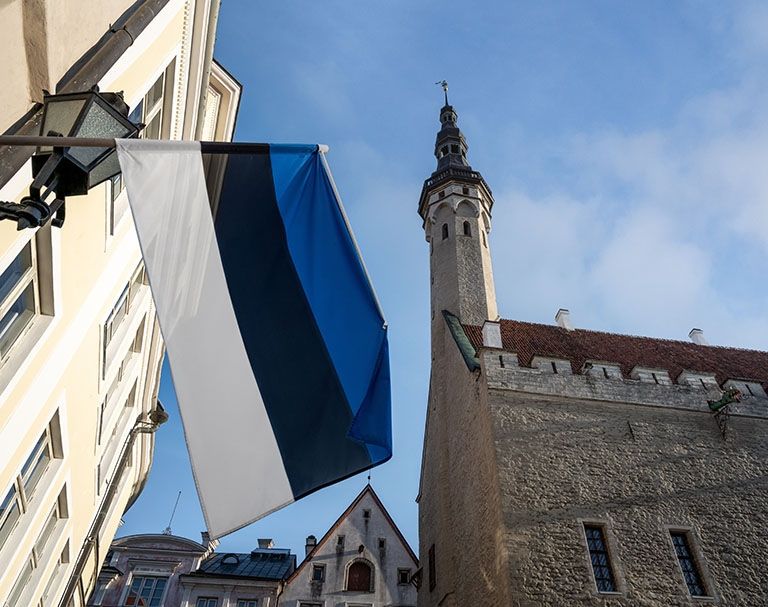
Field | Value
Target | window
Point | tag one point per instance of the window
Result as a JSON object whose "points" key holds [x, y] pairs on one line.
{"points": [[38, 555], [152, 111], [467, 229], [318, 573], [445, 231], [340, 543], [366, 514], [454, 148], [14, 598], [403, 576], [359, 577], [118, 317], [691, 573], [598, 555], [432, 572], [247, 603], [465, 191], [17, 498], [147, 591], [310, 605], [382, 544], [56, 575], [207, 601], [19, 298]]}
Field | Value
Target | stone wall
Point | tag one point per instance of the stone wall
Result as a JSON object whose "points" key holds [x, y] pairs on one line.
{"points": [[640, 459], [459, 500]]}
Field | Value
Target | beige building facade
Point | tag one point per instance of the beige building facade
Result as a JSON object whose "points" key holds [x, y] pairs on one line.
{"points": [[80, 348], [564, 466]]}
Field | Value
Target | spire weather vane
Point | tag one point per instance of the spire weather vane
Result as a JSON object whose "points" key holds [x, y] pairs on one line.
{"points": [[444, 85]]}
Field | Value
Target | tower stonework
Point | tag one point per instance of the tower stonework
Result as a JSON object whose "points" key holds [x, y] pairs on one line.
{"points": [[570, 467]]}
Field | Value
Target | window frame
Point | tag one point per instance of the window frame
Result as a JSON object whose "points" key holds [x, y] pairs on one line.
{"points": [[142, 575], [697, 560], [208, 600], [400, 572], [613, 559], [247, 602], [371, 579], [321, 568], [28, 277]]}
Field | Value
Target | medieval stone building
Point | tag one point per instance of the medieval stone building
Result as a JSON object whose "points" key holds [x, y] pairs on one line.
{"points": [[565, 466]]}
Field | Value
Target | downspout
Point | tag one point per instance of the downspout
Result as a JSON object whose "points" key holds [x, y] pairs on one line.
{"points": [[145, 425]]}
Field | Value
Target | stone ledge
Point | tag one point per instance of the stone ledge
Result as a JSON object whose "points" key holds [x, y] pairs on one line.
{"points": [[674, 396]]}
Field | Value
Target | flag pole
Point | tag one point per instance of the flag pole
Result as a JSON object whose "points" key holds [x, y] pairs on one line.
{"points": [[59, 142]]}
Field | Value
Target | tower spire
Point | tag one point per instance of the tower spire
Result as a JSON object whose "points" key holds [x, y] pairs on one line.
{"points": [[444, 84], [455, 205]]}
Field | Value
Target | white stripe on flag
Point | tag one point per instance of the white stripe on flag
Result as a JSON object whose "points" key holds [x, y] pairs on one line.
{"points": [[236, 462]]}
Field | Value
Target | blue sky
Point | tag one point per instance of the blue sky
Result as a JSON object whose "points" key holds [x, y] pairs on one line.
{"points": [[625, 142]]}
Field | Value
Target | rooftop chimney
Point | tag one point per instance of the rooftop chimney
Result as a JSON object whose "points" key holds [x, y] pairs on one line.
{"points": [[563, 319], [265, 543], [697, 337], [492, 334], [310, 544]]}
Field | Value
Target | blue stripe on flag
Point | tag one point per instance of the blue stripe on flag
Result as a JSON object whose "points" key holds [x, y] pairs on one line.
{"points": [[327, 263]]}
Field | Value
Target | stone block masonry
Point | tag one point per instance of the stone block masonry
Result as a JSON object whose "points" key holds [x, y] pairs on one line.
{"points": [[640, 460]]}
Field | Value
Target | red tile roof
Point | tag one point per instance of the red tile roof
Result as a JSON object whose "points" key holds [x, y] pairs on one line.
{"points": [[528, 339]]}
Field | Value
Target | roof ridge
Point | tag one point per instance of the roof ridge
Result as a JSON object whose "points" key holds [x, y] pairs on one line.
{"points": [[632, 335]]}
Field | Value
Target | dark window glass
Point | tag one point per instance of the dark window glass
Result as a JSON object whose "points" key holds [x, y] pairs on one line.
{"points": [[318, 573], [359, 577], [691, 573], [601, 562], [454, 149], [467, 229], [403, 576], [432, 572], [445, 231]]}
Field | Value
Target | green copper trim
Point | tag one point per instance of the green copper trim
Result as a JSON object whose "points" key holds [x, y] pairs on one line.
{"points": [[462, 341]]}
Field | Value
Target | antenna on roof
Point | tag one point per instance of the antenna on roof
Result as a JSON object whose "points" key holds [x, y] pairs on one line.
{"points": [[167, 530]]}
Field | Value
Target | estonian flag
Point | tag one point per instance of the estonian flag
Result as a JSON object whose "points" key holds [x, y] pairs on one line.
{"points": [[276, 343]]}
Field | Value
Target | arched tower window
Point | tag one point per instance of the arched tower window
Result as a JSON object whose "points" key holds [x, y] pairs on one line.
{"points": [[360, 577], [445, 231], [467, 229]]}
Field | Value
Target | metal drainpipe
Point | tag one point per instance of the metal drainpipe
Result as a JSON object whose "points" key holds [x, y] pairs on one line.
{"points": [[146, 425]]}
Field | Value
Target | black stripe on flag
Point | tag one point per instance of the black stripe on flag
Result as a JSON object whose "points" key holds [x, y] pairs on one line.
{"points": [[290, 361]]}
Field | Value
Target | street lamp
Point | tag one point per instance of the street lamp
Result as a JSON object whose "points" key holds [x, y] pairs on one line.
{"points": [[71, 170]]}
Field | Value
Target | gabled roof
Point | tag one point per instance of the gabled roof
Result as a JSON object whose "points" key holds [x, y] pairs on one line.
{"points": [[528, 339], [261, 564], [368, 490]]}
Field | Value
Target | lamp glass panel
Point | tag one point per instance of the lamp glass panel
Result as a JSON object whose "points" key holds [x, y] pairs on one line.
{"points": [[97, 123], [60, 116], [107, 168]]}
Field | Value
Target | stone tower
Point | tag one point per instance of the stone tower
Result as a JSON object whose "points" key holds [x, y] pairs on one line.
{"points": [[564, 466], [456, 205]]}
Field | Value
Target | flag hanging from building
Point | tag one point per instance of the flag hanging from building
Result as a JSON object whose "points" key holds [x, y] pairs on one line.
{"points": [[276, 343]]}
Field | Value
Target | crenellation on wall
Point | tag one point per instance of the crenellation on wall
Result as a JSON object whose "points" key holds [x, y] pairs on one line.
{"points": [[689, 396]]}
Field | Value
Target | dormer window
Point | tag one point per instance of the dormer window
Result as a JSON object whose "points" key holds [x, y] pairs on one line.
{"points": [[602, 370], [555, 366], [651, 376], [699, 381], [746, 387]]}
